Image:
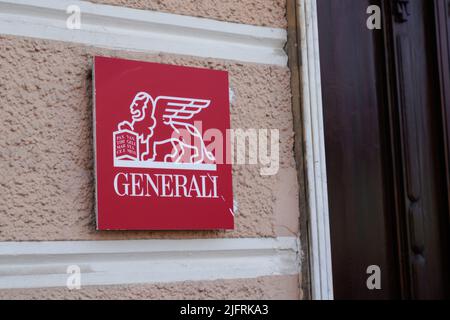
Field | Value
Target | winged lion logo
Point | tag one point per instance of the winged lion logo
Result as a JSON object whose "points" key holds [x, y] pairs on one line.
{"points": [[144, 132]]}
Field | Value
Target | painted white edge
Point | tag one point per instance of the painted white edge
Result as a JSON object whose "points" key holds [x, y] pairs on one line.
{"points": [[164, 165], [320, 246], [142, 30], [44, 264]]}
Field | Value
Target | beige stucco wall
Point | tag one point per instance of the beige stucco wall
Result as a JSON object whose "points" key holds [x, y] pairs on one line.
{"points": [[46, 151], [46, 157], [270, 13], [274, 287]]}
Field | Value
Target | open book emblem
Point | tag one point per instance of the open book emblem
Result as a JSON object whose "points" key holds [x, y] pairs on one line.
{"points": [[159, 134]]}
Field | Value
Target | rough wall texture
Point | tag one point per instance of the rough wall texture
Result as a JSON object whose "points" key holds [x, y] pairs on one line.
{"points": [[46, 164], [275, 287], [270, 13]]}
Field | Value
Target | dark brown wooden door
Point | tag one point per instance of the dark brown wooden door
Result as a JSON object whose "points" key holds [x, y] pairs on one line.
{"points": [[385, 135]]}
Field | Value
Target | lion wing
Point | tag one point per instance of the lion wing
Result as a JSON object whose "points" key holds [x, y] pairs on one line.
{"points": [[174, 110]]}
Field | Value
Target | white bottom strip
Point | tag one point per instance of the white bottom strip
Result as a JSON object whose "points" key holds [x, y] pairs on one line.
{"points": [[45, 264]]}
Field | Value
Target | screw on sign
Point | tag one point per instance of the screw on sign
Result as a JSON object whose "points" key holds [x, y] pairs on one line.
{"points": [[154, 168]]}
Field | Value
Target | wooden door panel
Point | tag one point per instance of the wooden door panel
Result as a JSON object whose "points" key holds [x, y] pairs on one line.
{"points": [[386, 116], [423, 156], [359, 208]]}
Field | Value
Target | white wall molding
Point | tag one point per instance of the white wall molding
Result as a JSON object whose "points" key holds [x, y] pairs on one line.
{"points": [[320, 246], [44, 264], [147, 31]]}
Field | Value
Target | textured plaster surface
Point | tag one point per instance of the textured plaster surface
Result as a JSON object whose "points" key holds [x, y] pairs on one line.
{"points": [[270, 13], [286, 203], [46, 144], [273, 287]]}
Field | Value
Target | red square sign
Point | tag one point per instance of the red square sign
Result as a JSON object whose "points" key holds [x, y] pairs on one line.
{"points": [[160, 136]]}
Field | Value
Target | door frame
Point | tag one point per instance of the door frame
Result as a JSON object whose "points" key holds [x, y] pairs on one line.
{"points": [[442, 13], [304, 62]]}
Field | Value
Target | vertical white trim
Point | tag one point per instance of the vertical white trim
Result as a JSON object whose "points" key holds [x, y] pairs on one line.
{"points": [[320, 247]]}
